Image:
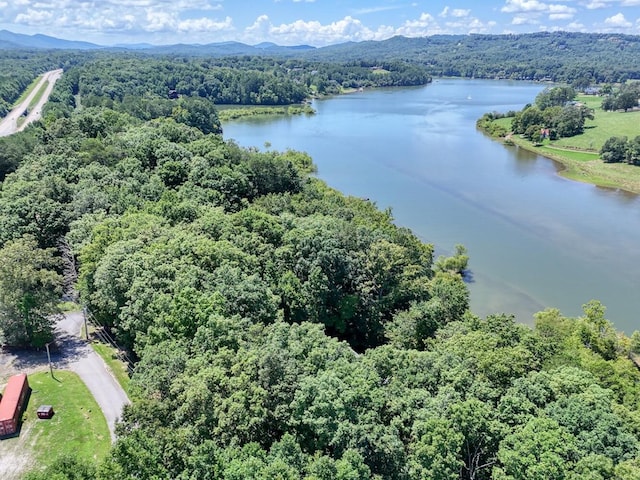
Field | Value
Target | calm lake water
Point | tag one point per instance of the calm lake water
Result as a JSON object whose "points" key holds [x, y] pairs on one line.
{"points": [[535, 239]]}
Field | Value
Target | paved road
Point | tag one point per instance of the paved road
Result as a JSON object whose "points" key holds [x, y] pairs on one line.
{"points": [[83, 360], [9, 124]]}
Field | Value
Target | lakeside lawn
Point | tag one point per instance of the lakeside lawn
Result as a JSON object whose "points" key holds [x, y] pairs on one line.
{"points": [[580, 156]]}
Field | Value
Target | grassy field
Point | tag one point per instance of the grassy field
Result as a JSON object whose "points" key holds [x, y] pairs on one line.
{"points": [[580, 154], [78, 418]]}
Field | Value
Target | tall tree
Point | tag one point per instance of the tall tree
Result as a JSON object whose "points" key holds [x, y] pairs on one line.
{"points": [[29, 291]]}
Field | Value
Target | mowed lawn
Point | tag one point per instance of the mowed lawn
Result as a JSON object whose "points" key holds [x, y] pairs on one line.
{"points": [[602, 127], [77, 428]]}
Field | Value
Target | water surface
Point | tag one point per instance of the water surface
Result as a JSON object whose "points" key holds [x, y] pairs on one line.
{"points": [[535, 240]]}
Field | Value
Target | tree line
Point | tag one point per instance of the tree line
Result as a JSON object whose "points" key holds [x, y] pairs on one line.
{"points": [[562, 57]]}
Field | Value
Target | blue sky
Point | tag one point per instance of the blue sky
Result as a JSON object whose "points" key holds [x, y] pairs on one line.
{"points": [[312, 22]]}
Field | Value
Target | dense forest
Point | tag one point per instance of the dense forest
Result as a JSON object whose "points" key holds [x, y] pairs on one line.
{"points": [[555, 56], [280, 329], [286, 331]]}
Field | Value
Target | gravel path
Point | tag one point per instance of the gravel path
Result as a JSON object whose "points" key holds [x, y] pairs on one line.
{"points": [[9, 124]]}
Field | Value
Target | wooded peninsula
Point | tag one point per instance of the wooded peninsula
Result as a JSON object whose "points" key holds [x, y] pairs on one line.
{"points": [[276, 328]]}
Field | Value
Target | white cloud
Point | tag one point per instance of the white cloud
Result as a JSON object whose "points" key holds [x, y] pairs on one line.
{"points": [[528, 11], [368, 10], [618, 21], [192, 21], [352, 29], [561, 9], [159, 21], [519, 6], [455, 12], [424, 25], [34, 17], [459, 12], [523, 20], [205, 25], [575, 27], [595, 4], [346, 29]]}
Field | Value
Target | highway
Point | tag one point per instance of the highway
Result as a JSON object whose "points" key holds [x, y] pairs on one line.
{"points": [[9, 124]]}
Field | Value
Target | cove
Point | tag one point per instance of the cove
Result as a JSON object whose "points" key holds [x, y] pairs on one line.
{"points": [[535, 239]]}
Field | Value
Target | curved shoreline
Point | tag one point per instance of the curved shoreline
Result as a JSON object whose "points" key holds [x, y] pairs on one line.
{"points": [[616, 176]]}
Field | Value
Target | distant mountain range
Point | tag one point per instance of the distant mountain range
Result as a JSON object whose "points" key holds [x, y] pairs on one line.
{"points": [[10, 40], [13, 41], [557, 56]]}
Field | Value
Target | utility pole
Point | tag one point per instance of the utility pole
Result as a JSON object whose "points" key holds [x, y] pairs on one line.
{"points": [[49, 357], [84, 316]]}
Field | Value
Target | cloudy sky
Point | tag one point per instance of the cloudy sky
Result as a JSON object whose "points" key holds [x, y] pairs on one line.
{"points": [[312, 22]]}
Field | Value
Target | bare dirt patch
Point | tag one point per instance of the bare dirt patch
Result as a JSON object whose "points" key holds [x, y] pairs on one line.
{"points": [[15, 453]]}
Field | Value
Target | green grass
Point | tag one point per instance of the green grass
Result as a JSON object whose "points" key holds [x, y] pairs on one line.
{"points": [[78, 426], [27, 91], [36, 98], [578, 167], [571, 154], [117, 366], [233, 112], [603, 126], [579, 155], [69, 307]]}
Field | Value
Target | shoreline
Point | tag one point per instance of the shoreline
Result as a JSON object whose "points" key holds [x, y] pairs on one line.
{"points": [[615, 176]]}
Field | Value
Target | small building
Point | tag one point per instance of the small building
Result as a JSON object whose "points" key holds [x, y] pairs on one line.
{"points": [[12, 404], [173, 94], [45, 411]]}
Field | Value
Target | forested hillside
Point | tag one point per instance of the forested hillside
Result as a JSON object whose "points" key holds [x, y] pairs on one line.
{"points": [[282, 330], [555, 56]]}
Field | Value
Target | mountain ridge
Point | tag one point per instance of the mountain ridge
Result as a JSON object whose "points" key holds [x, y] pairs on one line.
{"points": [[12, 41]]}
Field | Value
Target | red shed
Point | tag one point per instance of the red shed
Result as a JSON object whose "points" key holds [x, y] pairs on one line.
{"points": [[15, 395]]}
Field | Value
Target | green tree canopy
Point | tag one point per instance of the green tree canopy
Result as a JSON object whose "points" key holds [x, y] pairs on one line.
{"points": [[30, 289]]}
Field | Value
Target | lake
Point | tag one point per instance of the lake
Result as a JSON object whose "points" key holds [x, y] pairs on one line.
{"points": [[535, 239]]}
